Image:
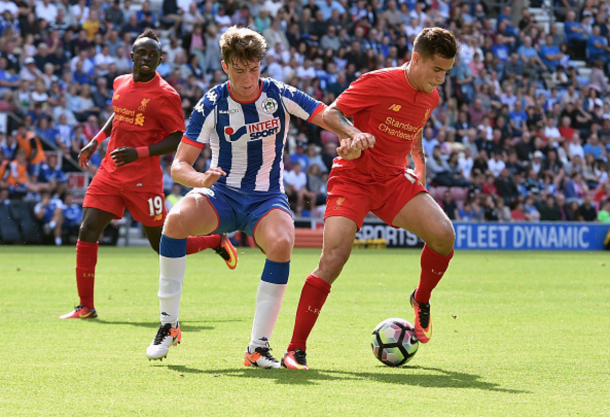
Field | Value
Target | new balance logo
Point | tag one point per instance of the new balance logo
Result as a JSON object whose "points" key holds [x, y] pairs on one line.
{"points": [[395, 107]]}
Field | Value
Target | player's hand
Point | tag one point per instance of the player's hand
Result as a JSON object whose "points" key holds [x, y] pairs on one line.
{"points": [[85, 154], [211, 176], [362, 141], [346, 152], [123, 156]]}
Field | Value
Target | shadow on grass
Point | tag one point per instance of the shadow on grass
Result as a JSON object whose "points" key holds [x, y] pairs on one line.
{"points": [[433, 378], [185, 326]]}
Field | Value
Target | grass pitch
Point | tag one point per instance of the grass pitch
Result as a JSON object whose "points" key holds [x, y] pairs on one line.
{"points": [[515, 334]]}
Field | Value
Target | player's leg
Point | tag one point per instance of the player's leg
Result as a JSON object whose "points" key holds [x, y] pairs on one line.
{"points": [[423, 217], [339, 234], [94, 222], [194, 214], [195, 244], [149, 209], [274, 233]]}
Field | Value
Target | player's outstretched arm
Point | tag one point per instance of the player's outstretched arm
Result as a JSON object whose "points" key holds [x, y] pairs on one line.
{"points": [[85, 154], [419, 159], [184, 173], [334, 120]]}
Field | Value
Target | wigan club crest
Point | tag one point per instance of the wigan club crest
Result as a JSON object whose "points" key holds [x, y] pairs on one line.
{"points": [[269, 105]]}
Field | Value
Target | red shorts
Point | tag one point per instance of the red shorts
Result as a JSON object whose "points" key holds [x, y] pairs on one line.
{"points": [[354, 196], [147, 208]]}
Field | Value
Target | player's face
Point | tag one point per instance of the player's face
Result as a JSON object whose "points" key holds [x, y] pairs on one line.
{"points": [[146, 56], [429, 73], [243, 77]]}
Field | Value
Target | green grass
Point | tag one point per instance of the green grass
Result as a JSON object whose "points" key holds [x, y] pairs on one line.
{"points": [[516, 334]]}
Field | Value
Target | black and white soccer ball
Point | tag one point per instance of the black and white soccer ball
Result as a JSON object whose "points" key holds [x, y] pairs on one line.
{"points": [[394, 342]]}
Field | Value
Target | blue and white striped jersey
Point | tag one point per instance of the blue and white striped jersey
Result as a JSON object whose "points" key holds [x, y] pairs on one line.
{"points": [[247, 139]]}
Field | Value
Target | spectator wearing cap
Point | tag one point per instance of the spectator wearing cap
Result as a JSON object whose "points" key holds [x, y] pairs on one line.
{"points": [[29, 72]]}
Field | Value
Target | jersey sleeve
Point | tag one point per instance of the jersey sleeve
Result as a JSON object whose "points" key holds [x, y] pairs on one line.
{"points": [[298, 103], [173, 116], [202, 122], [360, 95]]}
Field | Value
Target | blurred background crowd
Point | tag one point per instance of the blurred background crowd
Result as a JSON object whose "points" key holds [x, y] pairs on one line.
{"points": [[522, 131]]}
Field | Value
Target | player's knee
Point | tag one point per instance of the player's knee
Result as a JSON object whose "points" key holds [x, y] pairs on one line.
{"points": [[174, 226], [443, 239], [88, 232], [280, 247]]}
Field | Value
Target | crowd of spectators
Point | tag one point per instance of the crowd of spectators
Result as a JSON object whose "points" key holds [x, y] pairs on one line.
{"points": [[521, 132]]}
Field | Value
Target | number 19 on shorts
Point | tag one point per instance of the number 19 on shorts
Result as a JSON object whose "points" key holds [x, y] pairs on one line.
{"points": [[155, 205]]}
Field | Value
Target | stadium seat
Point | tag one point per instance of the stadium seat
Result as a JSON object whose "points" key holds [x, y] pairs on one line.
{"points": [[308, 238], [9, 231], [30, 229], [459, 193]]}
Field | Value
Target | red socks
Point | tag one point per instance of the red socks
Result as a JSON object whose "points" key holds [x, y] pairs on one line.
{"points": [[196, 244], [433, 266], [313, 296], [86, 258]]}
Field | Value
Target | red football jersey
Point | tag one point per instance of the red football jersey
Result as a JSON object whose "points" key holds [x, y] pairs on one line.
{"points": [[144, 114], [384, 104]]}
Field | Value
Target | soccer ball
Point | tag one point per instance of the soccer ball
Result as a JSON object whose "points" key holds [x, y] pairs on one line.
{"points": [[394, 342]]}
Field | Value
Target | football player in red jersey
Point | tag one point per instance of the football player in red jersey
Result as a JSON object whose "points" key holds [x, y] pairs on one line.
{"points": [[148, 121], [393, 105]]}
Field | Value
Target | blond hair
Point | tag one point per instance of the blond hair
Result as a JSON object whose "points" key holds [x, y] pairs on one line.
{"points": [[242, 45]]}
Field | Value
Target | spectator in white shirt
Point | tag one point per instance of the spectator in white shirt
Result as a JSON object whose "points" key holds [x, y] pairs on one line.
{"points": [[295, 182], [10, 6], [273, 68], [306, 71], [496, 164], [81, 11], [103, 61], [46, 10], [551, 133]]}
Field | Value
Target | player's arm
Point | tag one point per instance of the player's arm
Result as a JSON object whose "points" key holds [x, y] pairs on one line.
{"points": [[184, 173], [419, 159], [126, 155], [85, 154], [353, 140]]}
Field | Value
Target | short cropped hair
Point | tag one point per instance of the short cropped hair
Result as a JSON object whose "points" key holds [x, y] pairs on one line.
{"points": [[242, 45], [150, 34], [435, 41]]}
